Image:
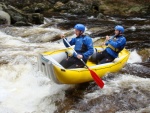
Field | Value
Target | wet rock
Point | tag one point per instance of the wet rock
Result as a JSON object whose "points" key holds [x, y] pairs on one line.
{"points": [[124, 7], [36, 18], [2, 21], [58, 6], [101, 16], [96, 29], [17, 16], [73, 96], [47, 25], [47, 36], [137, 69], [4, 18], [21, 23], [111, 7], [37, 7], [76, 8], [2, 62], [148, 9], [101, 31], [135, 9], [145, 53]]}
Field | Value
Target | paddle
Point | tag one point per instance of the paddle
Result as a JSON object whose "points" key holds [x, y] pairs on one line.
{"points": [[97, 79]]}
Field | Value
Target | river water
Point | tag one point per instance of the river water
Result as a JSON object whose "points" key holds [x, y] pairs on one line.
{"points": [[24, 89]]}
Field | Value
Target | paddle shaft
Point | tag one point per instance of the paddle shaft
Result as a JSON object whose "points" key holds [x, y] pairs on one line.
{"points": [[76, 53], [94, 75]]}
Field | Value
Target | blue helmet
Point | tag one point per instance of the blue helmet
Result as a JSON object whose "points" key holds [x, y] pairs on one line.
{"points": [[119, 28], [80, 27]]}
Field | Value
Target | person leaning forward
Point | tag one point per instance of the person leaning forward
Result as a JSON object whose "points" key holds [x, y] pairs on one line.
{"points": [[83, 47], [114, 45]]}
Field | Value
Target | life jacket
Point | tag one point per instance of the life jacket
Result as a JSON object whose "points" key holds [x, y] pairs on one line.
{"points": [[117, 50], [83, 45], [115, 45], [80, 45]]}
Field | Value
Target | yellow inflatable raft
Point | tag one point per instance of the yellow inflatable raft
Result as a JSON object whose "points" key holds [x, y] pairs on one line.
{"points": [[48, 63]]}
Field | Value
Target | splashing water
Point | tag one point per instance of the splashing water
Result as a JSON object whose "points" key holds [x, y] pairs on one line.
{"points": [[22, 87], [134, 57]]}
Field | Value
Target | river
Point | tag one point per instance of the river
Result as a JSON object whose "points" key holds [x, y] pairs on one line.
{"points": [[24, 89]]}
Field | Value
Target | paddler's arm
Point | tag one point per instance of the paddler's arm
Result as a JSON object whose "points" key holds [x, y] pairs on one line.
{"points": [[72, 42], [90, 48], [117, 43], [108, 38]]}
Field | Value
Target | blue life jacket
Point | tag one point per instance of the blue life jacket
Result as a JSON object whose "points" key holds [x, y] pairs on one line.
{"points": [[115, 45], [83, 46]]}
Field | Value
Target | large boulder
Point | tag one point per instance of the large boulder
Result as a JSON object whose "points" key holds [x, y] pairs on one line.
{"points": [[4, 18], [18, 17]]}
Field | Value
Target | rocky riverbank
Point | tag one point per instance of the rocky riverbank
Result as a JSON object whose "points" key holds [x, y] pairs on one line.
{"points": [[33, 11]]}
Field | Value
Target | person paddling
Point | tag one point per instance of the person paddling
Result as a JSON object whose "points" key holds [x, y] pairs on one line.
{"points": [[114, 45], [83, 47]]}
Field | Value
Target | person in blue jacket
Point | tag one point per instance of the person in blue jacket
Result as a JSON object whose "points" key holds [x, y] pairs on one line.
{"points": [[83, 47], [114, 45]]}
